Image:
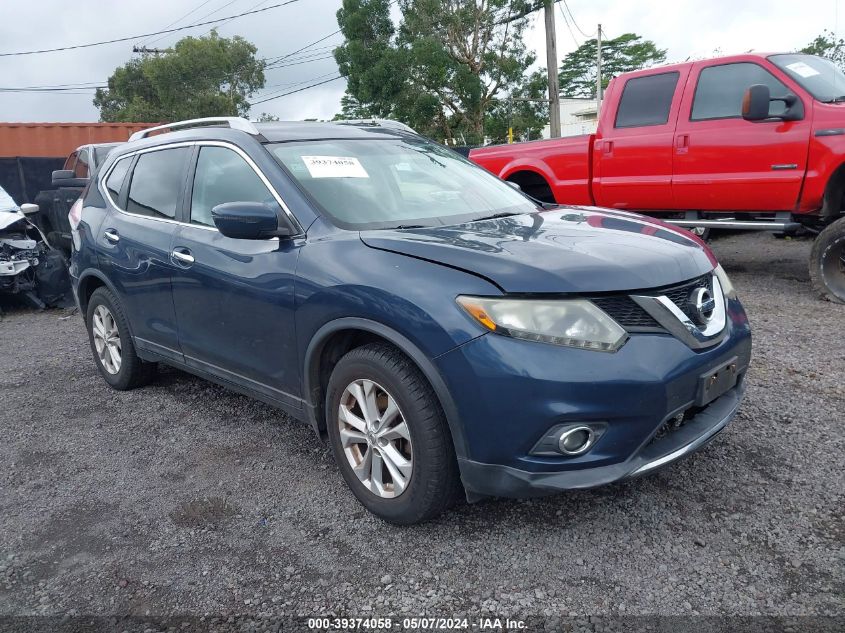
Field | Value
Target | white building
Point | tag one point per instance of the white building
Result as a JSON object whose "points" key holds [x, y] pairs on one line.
{"points": [[577, 116]]}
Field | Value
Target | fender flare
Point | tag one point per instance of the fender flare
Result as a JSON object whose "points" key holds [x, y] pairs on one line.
{"points": [[83, 279], [511, 168], [311, 378]]}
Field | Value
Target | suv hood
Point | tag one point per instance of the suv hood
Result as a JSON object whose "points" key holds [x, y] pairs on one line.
{"points": [[570, 249]]}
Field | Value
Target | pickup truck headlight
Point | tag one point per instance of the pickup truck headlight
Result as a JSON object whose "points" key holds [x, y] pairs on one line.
{"points": [[570, 322], [727, 287]]}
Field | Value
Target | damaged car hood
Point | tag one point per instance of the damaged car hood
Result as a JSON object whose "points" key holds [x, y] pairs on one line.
{"points": [[8, 218], [565, 250]]}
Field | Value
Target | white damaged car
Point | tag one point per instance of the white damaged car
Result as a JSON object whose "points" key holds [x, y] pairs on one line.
{"points": [[29, 267]]}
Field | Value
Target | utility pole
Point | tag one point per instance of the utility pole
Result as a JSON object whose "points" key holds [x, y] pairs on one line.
{"points": [[551, 65], [598, 72]]}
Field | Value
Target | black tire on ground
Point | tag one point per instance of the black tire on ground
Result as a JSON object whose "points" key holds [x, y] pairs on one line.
{"points": [[133, 371], [434, 481], [827, 262]]}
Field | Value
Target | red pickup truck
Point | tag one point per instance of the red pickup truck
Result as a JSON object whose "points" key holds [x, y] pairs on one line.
{"points": [[744, 142]]}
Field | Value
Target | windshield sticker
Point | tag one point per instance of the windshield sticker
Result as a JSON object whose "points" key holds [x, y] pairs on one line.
{"points": [[800, 68], [334, 167]]}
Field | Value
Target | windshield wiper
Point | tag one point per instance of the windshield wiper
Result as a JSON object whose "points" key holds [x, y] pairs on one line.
{"points": [[838, 99], [495, 216], [411, 226]]}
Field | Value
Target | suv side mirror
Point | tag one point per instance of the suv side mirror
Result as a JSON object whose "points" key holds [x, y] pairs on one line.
{"points": [[66, 178], [29, 209], [757, 100], [251, 221]]}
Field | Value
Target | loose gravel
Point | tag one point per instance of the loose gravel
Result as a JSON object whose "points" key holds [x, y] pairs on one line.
{"points": [[185, 498]]}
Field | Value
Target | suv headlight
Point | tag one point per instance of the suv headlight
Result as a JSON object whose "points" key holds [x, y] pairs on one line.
{"points": [[727, 287], [570, 322]]}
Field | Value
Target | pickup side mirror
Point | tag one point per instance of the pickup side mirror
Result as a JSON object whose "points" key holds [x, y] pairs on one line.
{"points": [[66, 178], [29, 209], [757, 100], [251, 221]]}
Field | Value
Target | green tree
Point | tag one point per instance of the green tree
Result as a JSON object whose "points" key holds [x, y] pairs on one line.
{"points": [[198, 77], [443, 68], [352, 108], [827, 45], [527, 112], [619, 55]]}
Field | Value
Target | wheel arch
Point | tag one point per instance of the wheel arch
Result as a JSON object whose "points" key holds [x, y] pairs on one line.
{"points": [[89, 281], [533, 182], [336, 338], [833, 203]]}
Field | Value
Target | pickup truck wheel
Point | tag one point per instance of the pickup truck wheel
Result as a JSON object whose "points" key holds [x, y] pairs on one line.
{"points": [[827, 262], [389, 436]]}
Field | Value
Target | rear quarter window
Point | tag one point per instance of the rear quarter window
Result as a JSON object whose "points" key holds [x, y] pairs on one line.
{"points": [[646, 100], [114, 181]]}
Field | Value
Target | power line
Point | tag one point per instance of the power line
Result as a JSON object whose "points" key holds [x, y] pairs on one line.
{"points": [[195, 9], [294, 91], [255, 6], [145, 35], [572, 17], [297, 83], [568, 28], [299, 50]]}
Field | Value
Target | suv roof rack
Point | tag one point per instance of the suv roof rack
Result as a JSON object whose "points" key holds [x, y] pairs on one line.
{"points": [[388, 123], [233, 122]]}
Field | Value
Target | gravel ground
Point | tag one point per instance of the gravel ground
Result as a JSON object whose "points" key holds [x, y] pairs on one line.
{"points": [[184, 498]]}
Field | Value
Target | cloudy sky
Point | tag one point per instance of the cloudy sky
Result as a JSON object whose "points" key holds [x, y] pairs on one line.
{"points": [[687, 28]]}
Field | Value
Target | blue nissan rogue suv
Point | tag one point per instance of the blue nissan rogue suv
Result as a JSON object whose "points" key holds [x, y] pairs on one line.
{"points": [[445, 333]]}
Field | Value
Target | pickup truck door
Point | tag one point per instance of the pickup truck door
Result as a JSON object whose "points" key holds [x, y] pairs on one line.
{"points": [[723, 162], [632, 153]]}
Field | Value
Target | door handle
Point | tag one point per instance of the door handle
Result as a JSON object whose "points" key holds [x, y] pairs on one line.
{"points": [[607, 147], [682, 143], [112, 236], [182, 255]]}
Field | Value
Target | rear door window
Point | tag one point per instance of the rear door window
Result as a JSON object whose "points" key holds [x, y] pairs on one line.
{"points": [[720, 90], [70, 162], [157, 181], [81, 170], [647, 100]]}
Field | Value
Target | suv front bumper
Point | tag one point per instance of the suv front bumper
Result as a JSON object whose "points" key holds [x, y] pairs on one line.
{"points": [[504, 481]]}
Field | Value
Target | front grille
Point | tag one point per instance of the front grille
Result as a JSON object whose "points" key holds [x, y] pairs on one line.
{"points": [[626, 312], [679, 295], [631, 316]]}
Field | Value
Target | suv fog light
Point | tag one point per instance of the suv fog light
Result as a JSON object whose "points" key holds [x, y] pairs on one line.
{"points": [[576, 440], [571, 439]]}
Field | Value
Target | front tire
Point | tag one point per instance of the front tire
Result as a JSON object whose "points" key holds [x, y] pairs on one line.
{"points": [[111, 344], [827, 262], [389, 436]]}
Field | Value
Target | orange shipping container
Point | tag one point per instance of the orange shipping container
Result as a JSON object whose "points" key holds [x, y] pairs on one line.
{"points": [[60, 139]]}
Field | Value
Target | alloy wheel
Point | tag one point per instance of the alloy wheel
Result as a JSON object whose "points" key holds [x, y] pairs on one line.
{"points": [[375, 438], [106, 339]]}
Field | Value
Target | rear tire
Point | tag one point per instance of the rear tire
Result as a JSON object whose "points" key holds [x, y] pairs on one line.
{"points": [[111, 343], [827, 262], [396, 392]]}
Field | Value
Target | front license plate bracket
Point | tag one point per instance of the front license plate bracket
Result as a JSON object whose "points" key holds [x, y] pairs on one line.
{"points": [[717, 381]]}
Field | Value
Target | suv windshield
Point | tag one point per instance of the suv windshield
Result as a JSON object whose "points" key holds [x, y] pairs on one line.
{"points": [[818, 76], [393, 183]]}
